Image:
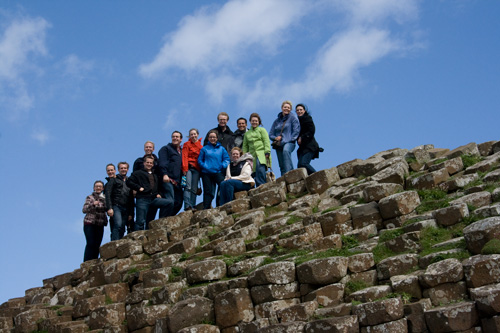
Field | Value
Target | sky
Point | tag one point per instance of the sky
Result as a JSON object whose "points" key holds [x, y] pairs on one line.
{"points": [[86, 83]]}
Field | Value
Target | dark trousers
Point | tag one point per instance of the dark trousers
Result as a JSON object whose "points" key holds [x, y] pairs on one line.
{"points": [[210, 181], [93, 236], [305, 162], [175, 195]]}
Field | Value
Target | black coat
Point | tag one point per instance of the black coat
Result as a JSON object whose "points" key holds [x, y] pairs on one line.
{"points": [[118, 193], [306, 135], [170, 162], [140, 179]]}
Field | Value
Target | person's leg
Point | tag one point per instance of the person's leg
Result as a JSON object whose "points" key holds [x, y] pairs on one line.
{"points": [[219, 178], [169, 195], [195, 180], [93, 236], [208, 190], [287, 156], [164, 205], [260, 173], [226, 192], [118, 227], [141, 209], [305, 162], [178, 200], [188, 203], [281, 162]]}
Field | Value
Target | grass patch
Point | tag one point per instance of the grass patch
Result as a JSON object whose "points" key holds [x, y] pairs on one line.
{"points": [[268, 211], [293, 219], [431, 200], [469, 160], [331, 209], [458, 255], [353, 286], [431, 236], [390, 234], [184, 257], [492, 247], [108, 300], [381, 252], [342, 252], [315, 209], [440, 160], [286, 235], [349, 242]]}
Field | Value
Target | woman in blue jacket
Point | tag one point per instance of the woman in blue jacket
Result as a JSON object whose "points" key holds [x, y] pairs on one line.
{"points": [[283, 134], [213, 161]]}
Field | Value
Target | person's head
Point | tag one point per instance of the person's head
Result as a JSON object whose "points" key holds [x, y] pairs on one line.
{"points": [[98, 186], [241, 123], [111, 170], [176, 138], [223, 118], [123, 168], [149, 162], [193, 134], [212, 137], [149, 147], [255, 120], [286, 107], [236, 153], [300, 109]]}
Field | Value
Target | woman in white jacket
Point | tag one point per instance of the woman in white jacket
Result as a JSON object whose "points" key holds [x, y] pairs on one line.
{"points": [[238, 175]]}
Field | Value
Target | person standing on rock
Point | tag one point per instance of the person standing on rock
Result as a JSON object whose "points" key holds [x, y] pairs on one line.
{"points": [[224, 133], [283, 134], [148, 200], [94, 221], [170, 172], [119, 202], [308, 147], [256, 142]]}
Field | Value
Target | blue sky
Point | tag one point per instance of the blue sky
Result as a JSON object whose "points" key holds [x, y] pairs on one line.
{"points": [[86, 83]]}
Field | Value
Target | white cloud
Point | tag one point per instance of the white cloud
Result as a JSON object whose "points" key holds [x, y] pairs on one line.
{"points": [[41, 136], [21, 42], [171, 120], [234, 50], [209, 40]]}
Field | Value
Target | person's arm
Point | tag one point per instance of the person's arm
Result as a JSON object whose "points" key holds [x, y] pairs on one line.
{"points": [[88, 206], [265, 140], [185, 163], [295, 128], [225, 158], [272, 135], [201, 159], [107, 194], [133, 182], [245, 147], [228, 173], [163, 158]]}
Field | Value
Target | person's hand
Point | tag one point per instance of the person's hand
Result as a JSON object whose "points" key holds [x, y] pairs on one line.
{"points": [[130, 217], [278, 138], [166, 179], [158, 196], [141, 189], [299, 141], [110, 212]]}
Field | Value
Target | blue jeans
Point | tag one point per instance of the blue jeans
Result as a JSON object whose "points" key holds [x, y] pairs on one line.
{"points": [[304, 162], [93, 236], [210, 180], [285, 157], [174, 195], [228, 187], [120, 216], [260, 173], [146, 211], [192, 179]]}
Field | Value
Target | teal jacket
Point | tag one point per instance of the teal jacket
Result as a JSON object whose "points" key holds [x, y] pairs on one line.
{"points": [[256, 142]]}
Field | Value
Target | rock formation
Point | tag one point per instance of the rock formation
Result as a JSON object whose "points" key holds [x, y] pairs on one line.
{"points": [[404, 241]]}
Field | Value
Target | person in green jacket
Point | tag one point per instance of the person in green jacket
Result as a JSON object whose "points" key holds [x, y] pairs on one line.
{"points": [[256, 142]]}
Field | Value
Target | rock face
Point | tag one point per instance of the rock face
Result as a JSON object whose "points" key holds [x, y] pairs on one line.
{"points": [[404, 241]]}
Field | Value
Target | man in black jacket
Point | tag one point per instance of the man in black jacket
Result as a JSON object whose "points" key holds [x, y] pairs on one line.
{"points": [[120, 201], [149, 148], [170, 172], [148, 199], [224, 133]]}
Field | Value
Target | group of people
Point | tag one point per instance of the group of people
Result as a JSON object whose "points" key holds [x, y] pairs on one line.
{"points": [[226, 163]]}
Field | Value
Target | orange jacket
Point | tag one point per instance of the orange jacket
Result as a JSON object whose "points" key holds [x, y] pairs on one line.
{"points": [[190, 152]]}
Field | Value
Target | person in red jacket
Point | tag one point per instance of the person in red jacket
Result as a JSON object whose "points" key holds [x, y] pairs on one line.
{"points": [[190, 168]]}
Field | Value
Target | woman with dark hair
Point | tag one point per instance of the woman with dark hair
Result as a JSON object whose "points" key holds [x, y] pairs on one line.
{"points": [[238, 175], [284, 132], [94, 221], [190, 168], [308, 147], [256, 142], [213, 160]]}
